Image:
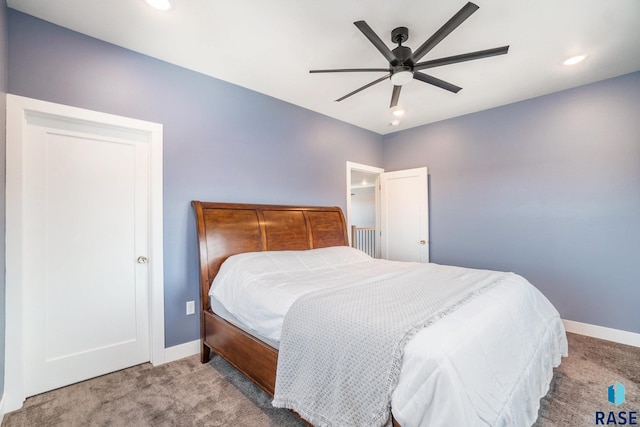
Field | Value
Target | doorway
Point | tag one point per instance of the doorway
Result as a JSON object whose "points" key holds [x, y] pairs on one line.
{"points": [[363, 207], [387, 212], [84, 288]]}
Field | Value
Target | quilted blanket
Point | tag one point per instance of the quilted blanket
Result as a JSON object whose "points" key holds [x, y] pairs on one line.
{"points": [[341, 349]]}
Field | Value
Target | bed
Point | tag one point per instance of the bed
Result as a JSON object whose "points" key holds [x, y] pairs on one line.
{"points": [[466, 360]]}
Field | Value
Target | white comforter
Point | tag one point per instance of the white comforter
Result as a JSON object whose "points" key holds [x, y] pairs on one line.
{"points": [[487, 363]]}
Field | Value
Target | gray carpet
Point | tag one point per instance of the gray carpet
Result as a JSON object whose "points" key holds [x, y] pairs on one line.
{"points": [[580, 383], [187, 393]]}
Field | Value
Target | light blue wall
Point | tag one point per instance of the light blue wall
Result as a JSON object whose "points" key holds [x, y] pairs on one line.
{"points": [[548, 188], [3, 93], [221, 142]]}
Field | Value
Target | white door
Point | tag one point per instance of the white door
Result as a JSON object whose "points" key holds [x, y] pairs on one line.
{"points": [[85, 225], [404, 215]]}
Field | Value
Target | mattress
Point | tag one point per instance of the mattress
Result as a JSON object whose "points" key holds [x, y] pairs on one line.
{"points": [[487, 363], [220, 311]]}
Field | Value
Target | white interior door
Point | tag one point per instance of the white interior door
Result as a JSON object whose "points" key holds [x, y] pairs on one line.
{"points": [[85, 223], [404, 215]]}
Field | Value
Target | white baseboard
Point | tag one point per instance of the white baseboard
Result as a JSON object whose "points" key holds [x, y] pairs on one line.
{"points": [[601, 332], [181, 351]]}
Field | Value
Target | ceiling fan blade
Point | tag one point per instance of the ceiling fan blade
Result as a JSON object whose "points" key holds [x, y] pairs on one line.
{"points": [[351, 70], [377, 42], [436, 82], [395, 96], [457, 19], [364, 87], [461, 58]]}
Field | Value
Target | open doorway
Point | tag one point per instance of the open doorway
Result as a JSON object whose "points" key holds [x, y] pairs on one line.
{"points": [[363, 212], [388, 212]]}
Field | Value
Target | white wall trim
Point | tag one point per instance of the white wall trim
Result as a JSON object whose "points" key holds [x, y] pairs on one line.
{"points": [[181, 351], [601, 332], [17, 106]]}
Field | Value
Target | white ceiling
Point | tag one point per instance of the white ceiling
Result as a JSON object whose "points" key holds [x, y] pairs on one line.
{"points": [[270, 46]]}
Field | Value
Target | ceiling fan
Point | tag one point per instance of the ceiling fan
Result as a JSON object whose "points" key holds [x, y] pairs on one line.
{"points": [[403, 63]]}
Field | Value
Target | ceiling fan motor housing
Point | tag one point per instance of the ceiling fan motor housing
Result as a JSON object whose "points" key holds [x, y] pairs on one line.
{"points": [[403, 53], [400, 35]]}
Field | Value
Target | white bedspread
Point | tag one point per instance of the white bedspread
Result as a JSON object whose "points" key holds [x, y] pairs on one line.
{"points": [[488, 363], [259, 287]]}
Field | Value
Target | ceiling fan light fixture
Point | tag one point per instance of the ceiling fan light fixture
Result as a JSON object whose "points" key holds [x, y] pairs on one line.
{"points": [[162, 5], [575, 60], [400, 78], [404, 63]]}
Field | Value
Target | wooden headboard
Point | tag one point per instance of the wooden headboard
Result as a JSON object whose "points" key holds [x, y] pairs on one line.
{"points": [[226, 229]]}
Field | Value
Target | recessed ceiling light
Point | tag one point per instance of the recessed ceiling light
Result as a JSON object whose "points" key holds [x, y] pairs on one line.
{"points": [[397, 111], [395, 123], [575, 60], [162, 5]]}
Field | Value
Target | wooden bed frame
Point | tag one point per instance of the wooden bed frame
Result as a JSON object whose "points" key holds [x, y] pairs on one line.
{"points": [[226, 229]]}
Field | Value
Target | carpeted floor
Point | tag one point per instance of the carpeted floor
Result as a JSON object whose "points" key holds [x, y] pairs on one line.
{"points": [[187, 393], [580, 383]]}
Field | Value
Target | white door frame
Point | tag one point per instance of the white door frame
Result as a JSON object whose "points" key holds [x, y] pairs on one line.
{"points": [[17, 108], [369, 169]]}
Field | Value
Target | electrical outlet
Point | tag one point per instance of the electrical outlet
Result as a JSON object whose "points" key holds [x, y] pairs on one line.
{"points": [[191, 307]]}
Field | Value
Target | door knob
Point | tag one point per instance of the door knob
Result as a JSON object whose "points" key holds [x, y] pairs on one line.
{"points": [[423, 242], [142, 260]]}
